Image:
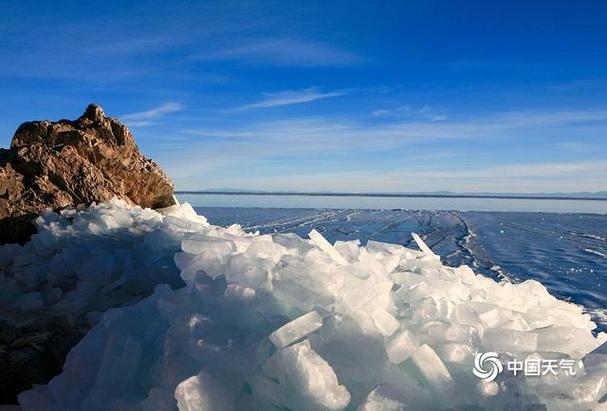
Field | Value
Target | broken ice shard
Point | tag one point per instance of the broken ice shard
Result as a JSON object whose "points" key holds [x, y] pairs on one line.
{"points": [[296, 329]]}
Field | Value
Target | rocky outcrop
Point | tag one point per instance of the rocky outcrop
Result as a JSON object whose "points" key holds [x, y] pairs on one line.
{"points": [[57, 165], [68, 163]]}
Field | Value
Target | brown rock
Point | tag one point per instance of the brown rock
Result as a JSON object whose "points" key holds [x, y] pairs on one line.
{"points": [[67, 163], [33, 354]]}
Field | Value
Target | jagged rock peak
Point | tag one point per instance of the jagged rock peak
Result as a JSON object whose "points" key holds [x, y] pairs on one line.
{"points": [[94, 112]]}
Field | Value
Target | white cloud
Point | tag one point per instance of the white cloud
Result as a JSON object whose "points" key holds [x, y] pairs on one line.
{"points": [[580, 147], [281, 150], [311, 134], [290, 97], [389, 112], [517, 178], [423, 113], [146, 118], [284, 51]]}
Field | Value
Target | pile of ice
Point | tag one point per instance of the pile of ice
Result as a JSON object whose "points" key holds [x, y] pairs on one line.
{"points": [[83, 262], [277, 322]]}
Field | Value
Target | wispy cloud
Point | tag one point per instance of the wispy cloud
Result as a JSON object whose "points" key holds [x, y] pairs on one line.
{"points": [[516, 178], [135, 45], [73, 51], [406, 111], [146, 118], [389, 112], [290, 97], [285, 52], [297, 141], [314, 133], [580, 147]]}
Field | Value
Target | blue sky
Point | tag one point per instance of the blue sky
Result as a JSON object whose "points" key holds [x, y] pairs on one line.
{"points": [[341, 96]]}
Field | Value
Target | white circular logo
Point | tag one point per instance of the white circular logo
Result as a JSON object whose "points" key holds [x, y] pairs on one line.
{"points": [[487, 366]]}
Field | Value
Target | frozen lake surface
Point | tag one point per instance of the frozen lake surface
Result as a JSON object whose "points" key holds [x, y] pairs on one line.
{"points": [[368, 202], [567, 252]]}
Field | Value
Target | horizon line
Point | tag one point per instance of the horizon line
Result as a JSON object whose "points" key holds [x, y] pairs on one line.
{"points": [[393, 195]]}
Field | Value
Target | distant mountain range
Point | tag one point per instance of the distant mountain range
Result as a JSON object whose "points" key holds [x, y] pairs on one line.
{"points": [[579, 194], [598, 195]]}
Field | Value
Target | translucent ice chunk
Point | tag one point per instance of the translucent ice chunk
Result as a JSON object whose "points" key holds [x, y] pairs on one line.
{"points": [[309, 380], [375, 247], [203, 393], [349, 249], [465, 315], [380, 400], [503, 340], [597, 358], [324, 245], [249, 271], [207, 244], [490, 318], [432, 368], [385, 322], [455, 353], [537, 319], [441, 332], [401, 347], [296, 329], [573, 341], [422, 245], [487, 389]]}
